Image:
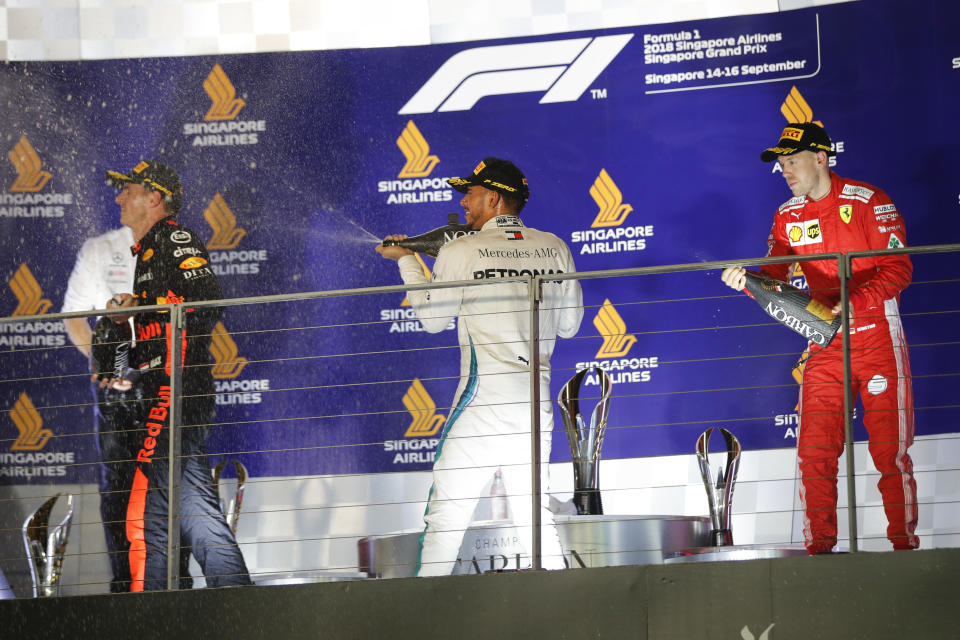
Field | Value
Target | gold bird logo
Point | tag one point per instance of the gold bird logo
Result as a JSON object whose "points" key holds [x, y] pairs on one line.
{"points": [[608, 197], [426, 422], [616, 341], [227, 363], [30, 300], [417, 152], [30, 173], [225, 105], [226, 233], [32, 436]]}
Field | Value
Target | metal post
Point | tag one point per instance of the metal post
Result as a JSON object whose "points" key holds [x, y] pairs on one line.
{"points": [[535, 551], [173, 465], [845, 269]]}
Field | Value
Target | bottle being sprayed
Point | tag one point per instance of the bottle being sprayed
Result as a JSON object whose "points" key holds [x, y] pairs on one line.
{"points": [[431, 242], [794, 309]]}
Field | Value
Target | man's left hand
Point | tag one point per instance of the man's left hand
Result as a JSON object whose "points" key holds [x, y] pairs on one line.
{"points": [[393, 252]]}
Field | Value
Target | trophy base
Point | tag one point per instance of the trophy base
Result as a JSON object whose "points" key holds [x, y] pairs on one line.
{"points": [[622, 540], [737, 553], [587, 541], [488, 545], [305, 577]]}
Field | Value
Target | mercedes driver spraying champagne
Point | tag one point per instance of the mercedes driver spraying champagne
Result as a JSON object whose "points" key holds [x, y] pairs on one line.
{"points": [[489, 424]]}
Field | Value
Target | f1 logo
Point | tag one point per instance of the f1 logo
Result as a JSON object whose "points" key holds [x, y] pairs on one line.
{"points": [[562, 68]]}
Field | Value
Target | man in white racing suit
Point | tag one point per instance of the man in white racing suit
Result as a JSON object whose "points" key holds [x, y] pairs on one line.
{"points": [[489, 424]]}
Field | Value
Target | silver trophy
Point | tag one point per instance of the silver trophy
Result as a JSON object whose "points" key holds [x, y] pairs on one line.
{"points": [[585, 441], [719, 495], [231, 507], [46, 547]]}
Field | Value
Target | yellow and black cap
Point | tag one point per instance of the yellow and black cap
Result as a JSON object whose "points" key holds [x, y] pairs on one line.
{"points": [[496, 174], [152, 175], [799, 136]]}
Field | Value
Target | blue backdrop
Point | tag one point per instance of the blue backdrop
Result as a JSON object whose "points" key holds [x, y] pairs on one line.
{"points": [[641, 146]]}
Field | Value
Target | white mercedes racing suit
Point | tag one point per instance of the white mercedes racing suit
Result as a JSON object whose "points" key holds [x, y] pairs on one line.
{"points": [[489, 424]]}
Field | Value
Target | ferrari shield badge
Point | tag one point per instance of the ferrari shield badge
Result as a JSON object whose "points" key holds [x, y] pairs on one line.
{"points": [[846, 212]]}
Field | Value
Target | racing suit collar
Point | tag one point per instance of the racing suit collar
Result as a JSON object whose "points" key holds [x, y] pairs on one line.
{"points": [[510, 220]]}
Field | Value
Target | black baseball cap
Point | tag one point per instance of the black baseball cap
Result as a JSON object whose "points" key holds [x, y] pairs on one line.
{"points": [[498, 175], [799, 136], [152, 175]]}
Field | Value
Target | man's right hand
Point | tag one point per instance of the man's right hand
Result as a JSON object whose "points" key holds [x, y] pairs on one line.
{"points": [[121, 301], [734, 277], [393, 252]]}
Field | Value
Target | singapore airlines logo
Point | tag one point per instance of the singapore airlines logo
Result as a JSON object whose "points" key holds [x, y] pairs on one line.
{"points": [[226, 234], [616, 341], [426, 422], [417, 152], [227, 364], [28, 422], [796, 109], [30, 300], [610, 200], [30, 174], [223, 96], [564, 69]]}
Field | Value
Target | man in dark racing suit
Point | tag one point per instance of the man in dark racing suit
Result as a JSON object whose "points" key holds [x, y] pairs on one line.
{"points": [[172, 267]]}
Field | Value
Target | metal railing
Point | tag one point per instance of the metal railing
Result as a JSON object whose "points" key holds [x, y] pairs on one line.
{"points": [[844, 263]]}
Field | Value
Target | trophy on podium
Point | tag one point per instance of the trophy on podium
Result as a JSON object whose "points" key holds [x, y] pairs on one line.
{"points": [[585, 440], [231, 507], [719, 495], [46, 547]]}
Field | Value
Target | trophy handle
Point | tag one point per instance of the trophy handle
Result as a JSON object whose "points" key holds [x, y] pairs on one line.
{"points": [[231, 510], [47, 546], [585, 440], [719, 493]]}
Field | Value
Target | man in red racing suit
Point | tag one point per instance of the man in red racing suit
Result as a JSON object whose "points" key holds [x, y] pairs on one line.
{"points": [[834, 214]]}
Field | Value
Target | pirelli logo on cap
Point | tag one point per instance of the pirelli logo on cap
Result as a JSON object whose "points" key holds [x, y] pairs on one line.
{"points": [[32, 436], [226, 233], [480, 167], [227, 362], [792, 133], [416, 150], [609, 198], [224, 103], [30, 174], [30, 300], [425, 421]]}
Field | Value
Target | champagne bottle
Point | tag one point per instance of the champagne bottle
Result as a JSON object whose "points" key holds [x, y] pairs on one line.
{"points": [[498, 498], [431, 242], [794, 309]]}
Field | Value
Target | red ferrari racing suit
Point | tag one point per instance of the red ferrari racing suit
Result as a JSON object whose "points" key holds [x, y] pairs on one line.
{"points": [[854, 216]]}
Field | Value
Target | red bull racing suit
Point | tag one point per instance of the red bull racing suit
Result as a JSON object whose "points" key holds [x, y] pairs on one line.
{"points": [[173, 266]]}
